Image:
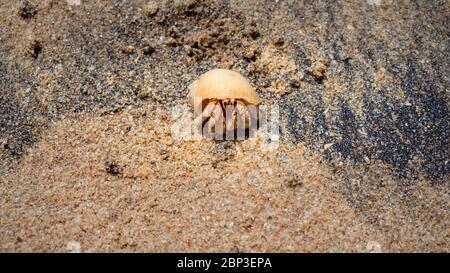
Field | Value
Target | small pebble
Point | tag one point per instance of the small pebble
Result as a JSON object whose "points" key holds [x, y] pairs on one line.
{"points": [[151, 8], [327, 146], [171, 41], [128, 50], [373, 247], [73, 247], [73, 2]]}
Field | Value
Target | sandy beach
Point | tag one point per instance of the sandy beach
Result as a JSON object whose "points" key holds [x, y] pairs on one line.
{"points": [[89, 162]]}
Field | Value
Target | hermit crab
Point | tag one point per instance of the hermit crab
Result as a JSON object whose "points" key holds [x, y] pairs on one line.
{"points": [[223, 101]]}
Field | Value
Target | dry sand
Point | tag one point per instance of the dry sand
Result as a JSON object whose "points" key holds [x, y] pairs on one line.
{"points": [[89, 164]]}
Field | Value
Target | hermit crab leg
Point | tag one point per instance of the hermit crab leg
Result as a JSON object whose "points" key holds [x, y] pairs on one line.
{"points": [[209, 108], [231, 117], [242, 115], [250, 118], [215, 120]]}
